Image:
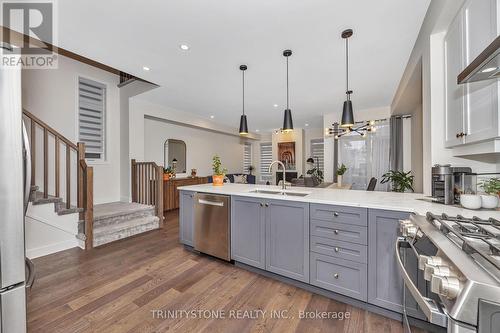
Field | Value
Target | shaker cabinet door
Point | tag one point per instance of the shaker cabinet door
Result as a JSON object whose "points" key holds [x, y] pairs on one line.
{"points": [[454, 93], [385, 284], [481, 98], [287, 241], [248, 227]]}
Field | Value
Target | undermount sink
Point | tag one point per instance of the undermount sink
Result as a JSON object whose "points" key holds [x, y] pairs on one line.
{"points": [[278, 192]]}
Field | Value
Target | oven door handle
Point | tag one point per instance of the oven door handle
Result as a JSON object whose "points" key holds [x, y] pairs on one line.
{"points": [[429, 307]]}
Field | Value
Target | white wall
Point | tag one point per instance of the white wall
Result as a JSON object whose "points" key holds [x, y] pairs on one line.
{"points": [[52, 96], [359, 115], [201, 146]]}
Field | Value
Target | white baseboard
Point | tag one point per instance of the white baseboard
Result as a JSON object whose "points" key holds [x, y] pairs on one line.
{"points": [[52, 248]]}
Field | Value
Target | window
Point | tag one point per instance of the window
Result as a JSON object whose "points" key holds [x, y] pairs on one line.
{"points": [[266, 157], [317, 153], [247, 157], [366, 157], [91, 117]]}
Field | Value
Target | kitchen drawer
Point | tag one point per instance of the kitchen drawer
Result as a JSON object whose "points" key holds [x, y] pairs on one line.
{"points": [[340, 214], [339, 249], [338, 275], [340, 231]]}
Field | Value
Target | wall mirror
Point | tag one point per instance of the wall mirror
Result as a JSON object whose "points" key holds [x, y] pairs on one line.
{"points": [[174, 155]]}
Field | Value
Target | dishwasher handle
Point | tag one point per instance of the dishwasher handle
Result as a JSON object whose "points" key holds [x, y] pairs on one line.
{"points": [[211, 203]]}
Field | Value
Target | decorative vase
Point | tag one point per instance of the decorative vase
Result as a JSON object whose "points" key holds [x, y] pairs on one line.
{"points": [[218, 180], [193, 173], [339, 180], [166, 176]]}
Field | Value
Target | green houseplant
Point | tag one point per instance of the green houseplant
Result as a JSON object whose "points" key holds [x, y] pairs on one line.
{"points": [[341, 170], [218, 171], [491, 186], [401, 181], [167, 173]]}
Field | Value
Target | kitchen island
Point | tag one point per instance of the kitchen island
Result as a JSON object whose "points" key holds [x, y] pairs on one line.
{"points": [[338, 243]]}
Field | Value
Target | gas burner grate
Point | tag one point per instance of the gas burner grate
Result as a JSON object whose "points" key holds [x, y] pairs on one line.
{"points": [[472, 235]]}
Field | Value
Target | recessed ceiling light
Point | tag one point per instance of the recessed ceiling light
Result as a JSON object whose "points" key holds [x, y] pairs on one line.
{"points": [[275, 105], [307, 125], [489, 69], [146, 68], [212, 117], [184, 47], [257, 130]]}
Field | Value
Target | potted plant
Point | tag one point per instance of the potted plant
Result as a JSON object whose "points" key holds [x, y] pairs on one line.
{"points": [[250, 169], [401, 181], [340, 172], [492, 189], [167, 173], [219, 171]]}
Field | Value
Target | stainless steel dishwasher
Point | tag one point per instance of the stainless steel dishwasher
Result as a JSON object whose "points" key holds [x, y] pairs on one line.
{"points": [[212, 225]]}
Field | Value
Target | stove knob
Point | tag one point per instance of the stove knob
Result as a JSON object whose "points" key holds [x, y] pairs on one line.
{"points": [[430, 260], [431, 270], [403, 223], [410, 231], [447, 286]]}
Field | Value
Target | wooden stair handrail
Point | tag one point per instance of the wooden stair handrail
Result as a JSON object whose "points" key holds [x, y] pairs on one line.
{"points": [[147, 185], [84, 172], [50, 129]]}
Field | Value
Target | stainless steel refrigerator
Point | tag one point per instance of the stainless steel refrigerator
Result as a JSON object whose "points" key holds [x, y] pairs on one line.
{"points": [[15, 179]]}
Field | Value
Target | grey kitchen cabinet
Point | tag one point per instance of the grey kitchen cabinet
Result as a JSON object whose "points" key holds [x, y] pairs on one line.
{"points": [[186, 217], [287, 239], [385, 284], [339, 275], [248, 231]]}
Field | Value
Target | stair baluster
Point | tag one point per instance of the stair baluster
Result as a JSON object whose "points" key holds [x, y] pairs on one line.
{"points": [[84, 172]]}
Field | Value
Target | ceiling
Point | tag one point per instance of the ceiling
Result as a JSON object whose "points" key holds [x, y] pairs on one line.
{"points": [[223, 34]]}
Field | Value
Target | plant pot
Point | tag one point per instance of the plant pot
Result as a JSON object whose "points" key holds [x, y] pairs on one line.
{"points": [[218, 180], [166, 176], [339, 180], [489, 201], [470, 201]]}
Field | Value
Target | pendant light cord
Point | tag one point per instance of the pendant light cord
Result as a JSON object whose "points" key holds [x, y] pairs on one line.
{"points": [[243, 92], [287, 96], [347, 67]]}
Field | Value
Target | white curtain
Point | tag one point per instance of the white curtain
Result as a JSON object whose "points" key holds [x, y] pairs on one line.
{"points": [[366, 157]]}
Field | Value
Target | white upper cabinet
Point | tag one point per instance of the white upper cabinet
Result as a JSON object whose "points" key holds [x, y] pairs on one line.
{"points": [[454, 108], [481, 101], [471, 109]]}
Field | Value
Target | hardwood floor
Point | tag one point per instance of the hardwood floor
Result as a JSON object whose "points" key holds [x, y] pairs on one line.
{"points": [[130, 285]]}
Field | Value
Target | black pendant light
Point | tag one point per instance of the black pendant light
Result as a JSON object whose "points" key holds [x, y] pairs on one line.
{"points": [[243, 119], [287, 121], [347, 113]]}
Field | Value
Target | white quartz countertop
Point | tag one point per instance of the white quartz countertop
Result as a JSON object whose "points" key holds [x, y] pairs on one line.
{"points": [[406, 202]]}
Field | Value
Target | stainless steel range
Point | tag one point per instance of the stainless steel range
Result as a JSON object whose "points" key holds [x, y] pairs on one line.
{"points": [[461, 271]]}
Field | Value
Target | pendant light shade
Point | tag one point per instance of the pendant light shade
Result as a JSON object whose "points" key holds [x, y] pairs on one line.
{"points": [[287, 120], [243, 119], [243, 125], [347, 115], [347, 112]]}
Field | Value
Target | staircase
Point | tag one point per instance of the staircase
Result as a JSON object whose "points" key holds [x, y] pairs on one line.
{"points": [[117, 220], [71, 192]]}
